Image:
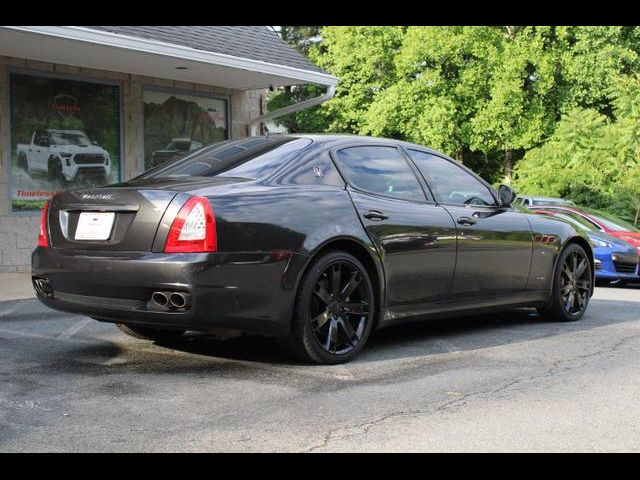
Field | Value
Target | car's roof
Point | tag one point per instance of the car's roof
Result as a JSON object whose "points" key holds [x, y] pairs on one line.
{"points": [[337, 139]]}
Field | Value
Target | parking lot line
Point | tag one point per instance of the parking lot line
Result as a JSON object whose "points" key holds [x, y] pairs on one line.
{"points": [[75, 328]]}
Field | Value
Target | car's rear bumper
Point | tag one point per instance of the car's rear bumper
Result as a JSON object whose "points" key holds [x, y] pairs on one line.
{"points": [[252, 292]]}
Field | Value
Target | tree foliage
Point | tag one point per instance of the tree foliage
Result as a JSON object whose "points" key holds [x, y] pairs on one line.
{"points": [[489, 96], [591, 158]]}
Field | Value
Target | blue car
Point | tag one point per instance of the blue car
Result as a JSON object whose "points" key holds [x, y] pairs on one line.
{"points": [[615, 260]]}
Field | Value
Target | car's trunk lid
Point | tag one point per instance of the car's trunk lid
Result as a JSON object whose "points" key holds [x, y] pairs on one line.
{"points": [[138, 206], [137, 213]]}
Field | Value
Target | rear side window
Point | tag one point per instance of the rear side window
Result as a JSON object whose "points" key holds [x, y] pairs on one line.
{"points": [[451, 184], [381, 170], [252, 158]]}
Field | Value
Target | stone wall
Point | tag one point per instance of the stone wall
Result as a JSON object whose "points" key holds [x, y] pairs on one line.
{"points": [[18, 233]]}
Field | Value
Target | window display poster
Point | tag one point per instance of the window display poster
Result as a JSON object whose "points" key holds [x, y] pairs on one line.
{"points": [[175, 124], [64, 134]]}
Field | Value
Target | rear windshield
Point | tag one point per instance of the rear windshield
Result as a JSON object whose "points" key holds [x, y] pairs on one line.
{"points": [[253, 158]]}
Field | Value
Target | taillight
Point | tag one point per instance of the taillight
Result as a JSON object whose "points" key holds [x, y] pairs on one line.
{"points": [[194, 228], [43, 237]]}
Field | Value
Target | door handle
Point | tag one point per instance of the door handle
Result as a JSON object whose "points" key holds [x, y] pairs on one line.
{"points": [[467, 221], [375, 215]]}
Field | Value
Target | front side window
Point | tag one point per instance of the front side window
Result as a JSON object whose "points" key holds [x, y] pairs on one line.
{"points": [[381, 170], [250, 158], [451, 184]]}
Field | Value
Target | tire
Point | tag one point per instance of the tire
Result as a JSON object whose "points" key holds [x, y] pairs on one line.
{"points": [[334, 310], [569, 299], [22, 162], [149, 333], [55, 170]]}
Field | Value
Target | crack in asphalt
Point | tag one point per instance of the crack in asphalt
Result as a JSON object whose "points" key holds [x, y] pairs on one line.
{"points": [[557, 366]]}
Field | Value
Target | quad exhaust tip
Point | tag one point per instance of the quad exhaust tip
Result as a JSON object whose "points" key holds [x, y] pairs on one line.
{"points": [[171, 300], [177, 300], [160, 298]]}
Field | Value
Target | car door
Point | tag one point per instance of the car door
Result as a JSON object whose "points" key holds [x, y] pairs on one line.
{"points": [[414, 237], [494, 243]]}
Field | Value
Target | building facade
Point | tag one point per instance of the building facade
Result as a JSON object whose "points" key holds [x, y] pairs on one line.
{"points": [[86, 106]]}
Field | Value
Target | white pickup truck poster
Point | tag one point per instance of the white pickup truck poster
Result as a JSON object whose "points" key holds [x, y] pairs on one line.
{"points": [[64, 134], [176, 124]]}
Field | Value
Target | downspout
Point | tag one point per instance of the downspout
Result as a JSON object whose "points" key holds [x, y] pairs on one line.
{"points": [[254, 124]]}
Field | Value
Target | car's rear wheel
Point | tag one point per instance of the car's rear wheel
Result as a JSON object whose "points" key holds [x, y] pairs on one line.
{"points": [[334, 311], [149, 333], [572, 285]]}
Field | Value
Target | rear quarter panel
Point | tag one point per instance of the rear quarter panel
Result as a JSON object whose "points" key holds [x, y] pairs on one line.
{"points": [[550, 236], [266, 237]]}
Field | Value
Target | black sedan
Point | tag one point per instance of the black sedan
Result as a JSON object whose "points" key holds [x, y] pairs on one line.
{"points": [[317, 240]]}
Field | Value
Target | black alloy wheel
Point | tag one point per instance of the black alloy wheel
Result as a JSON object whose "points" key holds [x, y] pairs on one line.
{"points": [[575, 283], [572, 285], [339, 309], [334, 310]]}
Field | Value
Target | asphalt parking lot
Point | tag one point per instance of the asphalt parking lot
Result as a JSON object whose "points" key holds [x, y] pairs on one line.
{"points": [[506, 382]]}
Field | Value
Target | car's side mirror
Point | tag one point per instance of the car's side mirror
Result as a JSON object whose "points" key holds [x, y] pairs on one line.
{"points": [[506, 196], [94, 142]]}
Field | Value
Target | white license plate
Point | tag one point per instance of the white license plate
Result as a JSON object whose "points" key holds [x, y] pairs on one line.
{"points": [[95, 225]]}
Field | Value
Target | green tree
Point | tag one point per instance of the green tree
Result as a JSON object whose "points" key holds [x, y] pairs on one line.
{"points": [[303, 38], [442, 74], [484, 95], [591, 158], [520, 110]]}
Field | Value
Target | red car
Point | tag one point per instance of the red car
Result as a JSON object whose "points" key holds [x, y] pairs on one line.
{"points": [[605, 223]]}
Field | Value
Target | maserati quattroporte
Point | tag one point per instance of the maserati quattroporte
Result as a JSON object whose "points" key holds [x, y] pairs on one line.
{"points": [[317, 240]]}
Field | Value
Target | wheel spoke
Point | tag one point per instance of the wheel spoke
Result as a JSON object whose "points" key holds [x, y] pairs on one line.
{"points": [[574, 259], [352, 338], [568, 306], [319, 321], [361, 308], [336, 274], [581, 301], [582, 267], [584, 285], [361, 326], [330, 342], [352, 284], [322, 292]]}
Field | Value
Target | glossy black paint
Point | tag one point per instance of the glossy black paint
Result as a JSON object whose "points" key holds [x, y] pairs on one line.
{"points": [[422, 259]]}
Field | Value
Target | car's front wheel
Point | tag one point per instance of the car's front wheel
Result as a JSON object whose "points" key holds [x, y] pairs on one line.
{"points": [[334, 311], [572, 285], [149, 333]]}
